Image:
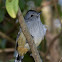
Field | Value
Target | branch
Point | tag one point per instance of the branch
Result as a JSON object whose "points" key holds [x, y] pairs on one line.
{"points": [[57, 36], [28, 37], [7, 50], [52, 42], [6, 37]]}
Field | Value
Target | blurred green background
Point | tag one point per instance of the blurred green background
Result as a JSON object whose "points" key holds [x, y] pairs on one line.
{"points": [[10, 27]]}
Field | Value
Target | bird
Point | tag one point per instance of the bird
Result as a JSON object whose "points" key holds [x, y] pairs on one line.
{"points": [[37, 31]]}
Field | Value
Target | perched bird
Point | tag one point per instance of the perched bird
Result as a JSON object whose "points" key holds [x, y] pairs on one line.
{"points": [[37, 31]]}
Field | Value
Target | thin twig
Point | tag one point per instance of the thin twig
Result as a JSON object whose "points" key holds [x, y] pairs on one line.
{"points": [[28, 37], [7, 50], [57, 36], [3, 35], [52, 42]]}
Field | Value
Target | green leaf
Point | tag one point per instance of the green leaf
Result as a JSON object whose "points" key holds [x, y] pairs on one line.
{"points": [[12, 7]]}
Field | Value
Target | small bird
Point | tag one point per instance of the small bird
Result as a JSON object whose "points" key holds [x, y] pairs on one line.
{"points": [[37, 31]]}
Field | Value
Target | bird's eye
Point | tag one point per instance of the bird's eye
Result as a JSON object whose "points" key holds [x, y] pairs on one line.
{"points": [[31, 15]]}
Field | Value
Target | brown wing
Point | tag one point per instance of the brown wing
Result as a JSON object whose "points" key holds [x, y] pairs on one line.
{"points": [[21, 41]]}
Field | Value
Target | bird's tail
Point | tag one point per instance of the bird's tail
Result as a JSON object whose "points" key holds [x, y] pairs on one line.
{"points": [[18, 58]]}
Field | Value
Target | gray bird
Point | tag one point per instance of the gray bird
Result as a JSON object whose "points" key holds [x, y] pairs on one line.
{"points": [[37, 31]]}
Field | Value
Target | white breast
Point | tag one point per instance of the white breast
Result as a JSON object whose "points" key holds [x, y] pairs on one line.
{"points": [[37, 30]]}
